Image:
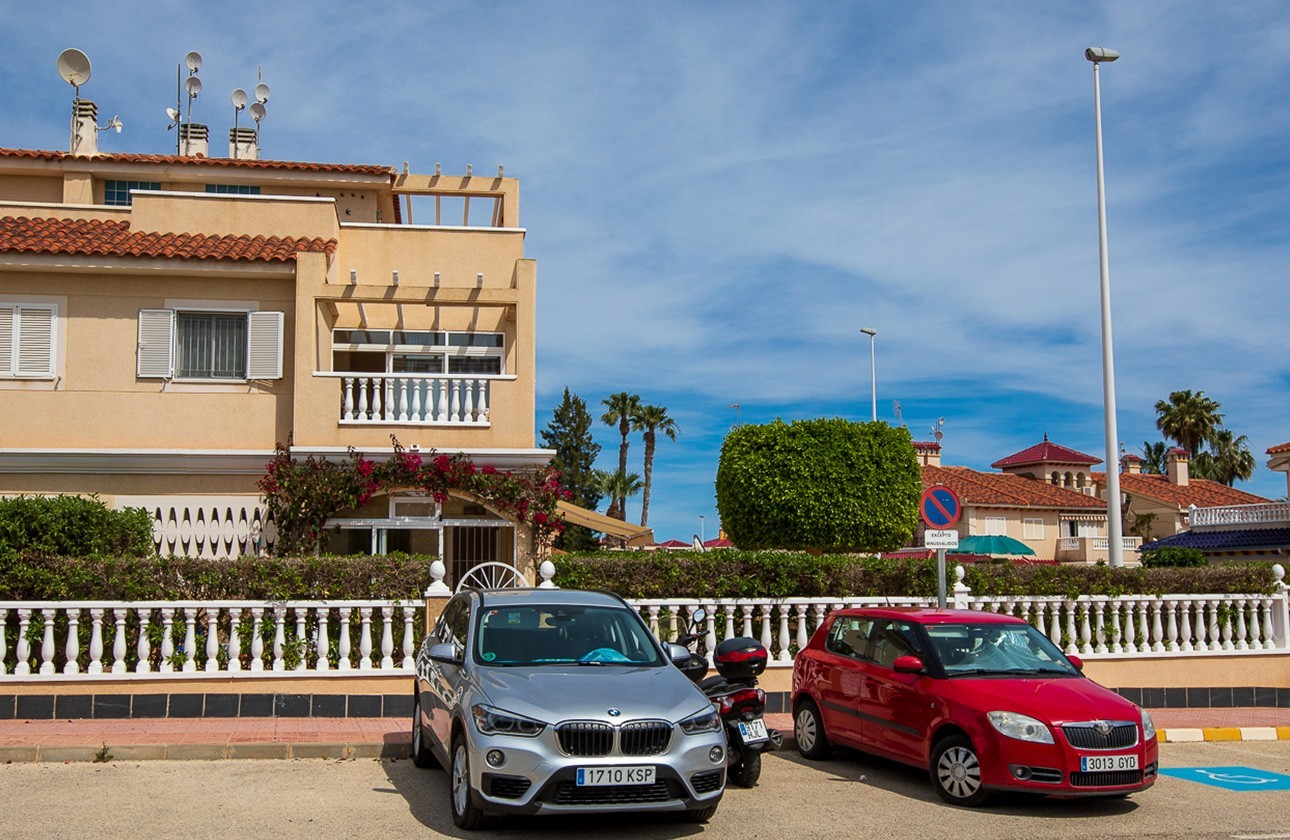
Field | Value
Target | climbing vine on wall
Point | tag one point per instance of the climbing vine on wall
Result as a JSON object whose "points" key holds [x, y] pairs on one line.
{"points": [[302, 494]]}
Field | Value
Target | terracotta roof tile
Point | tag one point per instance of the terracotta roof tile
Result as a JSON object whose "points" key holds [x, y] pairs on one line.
{"points": [[1049, 452], [109, 237], [1199, 491], [1006, 490], [1280, 447], [296, 166]]}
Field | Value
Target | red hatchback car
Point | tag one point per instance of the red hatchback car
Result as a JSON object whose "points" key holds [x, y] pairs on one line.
{"points": [[983, 701]]}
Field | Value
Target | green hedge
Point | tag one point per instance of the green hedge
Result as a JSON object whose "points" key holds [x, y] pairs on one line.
{"points": [[827, 485], [72, 526], [767, 574], [34, 577], [1174, 556]]}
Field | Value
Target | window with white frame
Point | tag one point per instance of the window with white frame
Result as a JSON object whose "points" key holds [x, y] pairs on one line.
{"points": [[27, 340], [1032, 529], [418, 351], [996, 525], [210, 344]]}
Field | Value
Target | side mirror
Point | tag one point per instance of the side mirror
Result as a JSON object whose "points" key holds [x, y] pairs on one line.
{"points": [[445, 652], [908, 665], [699, 616], [1076, 661], [679, 654]]}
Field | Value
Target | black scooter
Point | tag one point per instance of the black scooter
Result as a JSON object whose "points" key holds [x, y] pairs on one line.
{"points": [[734, 692]]}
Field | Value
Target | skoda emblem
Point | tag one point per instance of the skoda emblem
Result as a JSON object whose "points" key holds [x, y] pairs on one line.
{"points": [[1103, 728], [614, 713]]}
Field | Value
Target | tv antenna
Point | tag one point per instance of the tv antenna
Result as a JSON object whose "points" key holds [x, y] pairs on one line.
{"points": [[895, 405], [190, 86], [74, 67], [936, 430]]}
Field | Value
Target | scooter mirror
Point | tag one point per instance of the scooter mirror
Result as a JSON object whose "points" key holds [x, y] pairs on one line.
{"points": [[698, 616]]}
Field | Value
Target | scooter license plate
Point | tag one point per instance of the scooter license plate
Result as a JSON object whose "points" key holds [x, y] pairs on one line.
{"points": [[753, 731]]}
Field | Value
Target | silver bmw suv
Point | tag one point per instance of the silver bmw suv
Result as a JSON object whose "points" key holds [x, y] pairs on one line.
{"points": [[560, 701]]}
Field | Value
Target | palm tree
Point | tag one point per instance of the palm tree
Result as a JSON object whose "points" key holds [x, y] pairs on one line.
{"points": [[622, 411], [1188, 418], [652, 419], [1154, 457], [1228, 458], [618, 486]]}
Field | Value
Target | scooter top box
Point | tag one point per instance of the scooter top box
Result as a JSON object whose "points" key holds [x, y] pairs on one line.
{"points": [[741, 658]]}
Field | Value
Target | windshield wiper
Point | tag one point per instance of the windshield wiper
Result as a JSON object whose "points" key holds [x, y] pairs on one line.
{"points": [[1009, 672]]}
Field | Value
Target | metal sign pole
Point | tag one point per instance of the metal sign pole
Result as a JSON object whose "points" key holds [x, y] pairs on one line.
{"points": [[940, 578]]}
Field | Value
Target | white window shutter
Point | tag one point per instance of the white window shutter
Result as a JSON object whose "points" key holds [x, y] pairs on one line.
{"points": [[264, 345], [6, 340], [156, 343], [35, 341]]}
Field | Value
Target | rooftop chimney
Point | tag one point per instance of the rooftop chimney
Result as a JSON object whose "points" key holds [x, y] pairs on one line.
{"points": [[929, 454], [85, 133], [1132, 465], [194, 140], [242, 145], [1176, 462]]}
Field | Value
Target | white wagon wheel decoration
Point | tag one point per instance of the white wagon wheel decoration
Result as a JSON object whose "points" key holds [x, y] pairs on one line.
{"points": [[492, 575]]}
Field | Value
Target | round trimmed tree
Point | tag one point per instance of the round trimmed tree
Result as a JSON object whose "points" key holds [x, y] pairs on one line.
{"points": [[824, 485]]}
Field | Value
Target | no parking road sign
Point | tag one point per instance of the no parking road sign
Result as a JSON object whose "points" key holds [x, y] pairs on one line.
{"points": [[939, 507]]}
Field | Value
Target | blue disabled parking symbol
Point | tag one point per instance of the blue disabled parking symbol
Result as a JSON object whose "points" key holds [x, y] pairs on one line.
{"points": [[1231, 778]]}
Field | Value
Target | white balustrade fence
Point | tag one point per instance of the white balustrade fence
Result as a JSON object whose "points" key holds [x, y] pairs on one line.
{"points": [[1088, 625], [412, 398], [1268, 514], [331, 637], [207, 637]]}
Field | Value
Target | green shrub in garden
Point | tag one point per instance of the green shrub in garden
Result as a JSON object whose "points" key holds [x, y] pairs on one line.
{"points": [[72, 525], [1174, 556], [819, 485]]}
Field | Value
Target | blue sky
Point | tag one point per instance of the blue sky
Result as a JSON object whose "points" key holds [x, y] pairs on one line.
{"points": [[719, 195]]}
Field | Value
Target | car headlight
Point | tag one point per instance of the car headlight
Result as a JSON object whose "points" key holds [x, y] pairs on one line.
{"points": [[491, 721], [1148, 726], [1021, 727], [705, 721]]}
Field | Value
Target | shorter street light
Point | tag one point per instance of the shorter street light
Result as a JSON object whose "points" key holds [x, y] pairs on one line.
{"points": [[873, 371]]}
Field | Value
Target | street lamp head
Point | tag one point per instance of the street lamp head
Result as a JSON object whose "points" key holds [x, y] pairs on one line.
{"points": [[1100, 54], [869, 331]]}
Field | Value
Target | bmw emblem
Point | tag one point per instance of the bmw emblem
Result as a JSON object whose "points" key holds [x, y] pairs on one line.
{"points": [[614, 713], [1103, 728]]}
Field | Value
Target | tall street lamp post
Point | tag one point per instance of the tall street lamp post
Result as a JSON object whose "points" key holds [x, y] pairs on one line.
{"points": [[873, 371], [1115, 541]]}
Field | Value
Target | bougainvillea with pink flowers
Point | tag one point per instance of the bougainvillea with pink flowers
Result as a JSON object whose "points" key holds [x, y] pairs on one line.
{"points": [[302, 494]]}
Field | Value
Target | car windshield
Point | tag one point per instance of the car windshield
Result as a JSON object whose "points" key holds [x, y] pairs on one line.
{"points": [[998, 649], [554, 634]]}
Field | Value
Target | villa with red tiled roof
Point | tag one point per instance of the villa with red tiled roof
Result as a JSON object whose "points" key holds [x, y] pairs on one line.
{"points": [[167, 319], [1042, 496], [1160, 504], [1223, 523]]}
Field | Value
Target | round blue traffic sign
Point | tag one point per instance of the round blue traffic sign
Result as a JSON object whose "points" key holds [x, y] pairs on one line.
{"points": [[939, 507]]}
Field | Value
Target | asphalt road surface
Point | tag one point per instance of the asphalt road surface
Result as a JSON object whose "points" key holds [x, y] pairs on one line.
{"points": [[850, 795]]}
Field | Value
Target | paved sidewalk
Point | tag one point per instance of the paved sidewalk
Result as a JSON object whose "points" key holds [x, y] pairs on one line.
{"points": [[339, 738]]}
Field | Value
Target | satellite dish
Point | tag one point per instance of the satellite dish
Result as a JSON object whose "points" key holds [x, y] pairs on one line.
{"points": [[116, 124], [74, 67], [257, 112], [239, 99], [261, 92], [192, 86], [172, 113], [193, 61]]}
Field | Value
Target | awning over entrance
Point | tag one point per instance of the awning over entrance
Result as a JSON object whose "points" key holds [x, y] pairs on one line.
{"points": [[635, 535]]}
